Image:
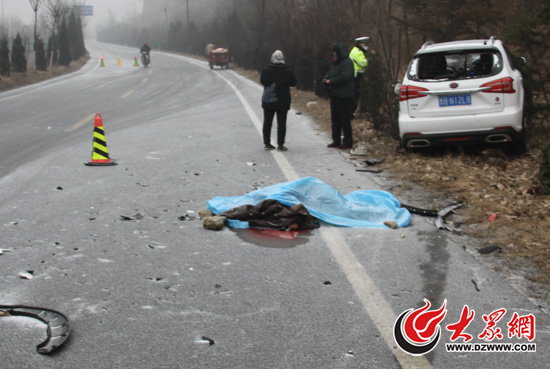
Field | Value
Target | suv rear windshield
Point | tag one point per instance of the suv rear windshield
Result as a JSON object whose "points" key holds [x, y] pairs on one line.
{"points": [[463, 64]]}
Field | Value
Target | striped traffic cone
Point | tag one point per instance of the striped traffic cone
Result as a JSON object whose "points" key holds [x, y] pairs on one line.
{"points": [[100, 153], [101, 63], [135, 62]]}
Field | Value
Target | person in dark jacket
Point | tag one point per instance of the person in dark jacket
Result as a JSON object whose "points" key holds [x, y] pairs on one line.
{"points": [[277, 78], [146, 49], [340, 83]]}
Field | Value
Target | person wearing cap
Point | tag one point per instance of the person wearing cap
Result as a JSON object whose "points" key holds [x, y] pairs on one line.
{"points": [[339, 82], [360, 62], [277, 78]]}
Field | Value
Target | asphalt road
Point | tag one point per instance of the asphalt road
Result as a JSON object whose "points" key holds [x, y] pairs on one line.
{"points": [[120, 250]]}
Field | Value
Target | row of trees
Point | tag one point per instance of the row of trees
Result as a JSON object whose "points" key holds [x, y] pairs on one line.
{"points": [[65, 43], [306, 29]]}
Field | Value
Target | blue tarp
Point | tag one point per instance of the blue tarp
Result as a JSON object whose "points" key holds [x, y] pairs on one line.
{"points": [[361, 209]]}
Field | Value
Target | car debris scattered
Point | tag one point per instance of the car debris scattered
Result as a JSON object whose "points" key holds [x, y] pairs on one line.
{"points": [[205, 339], [29, 274], [59, 326], [214, 223], [440, 222], [370, 163], [489, 249], [137, 216]]}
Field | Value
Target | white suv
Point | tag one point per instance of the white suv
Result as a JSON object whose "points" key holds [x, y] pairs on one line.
{"points": [[462, 92]]}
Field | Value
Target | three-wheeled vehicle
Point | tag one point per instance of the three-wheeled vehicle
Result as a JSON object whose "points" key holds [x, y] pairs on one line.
{"points": [[219, 57]]}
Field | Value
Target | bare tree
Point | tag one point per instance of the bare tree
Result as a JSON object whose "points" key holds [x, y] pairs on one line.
{"points": [[35, 4], [57, 9]]}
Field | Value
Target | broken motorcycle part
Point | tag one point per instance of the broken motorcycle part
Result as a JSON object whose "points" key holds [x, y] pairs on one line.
{"points": [[58, 324], [443, 212], [420, 211]]}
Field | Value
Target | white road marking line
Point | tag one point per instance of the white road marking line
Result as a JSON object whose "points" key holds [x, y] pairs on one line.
{"points": [[80, 123], [372, 299]]}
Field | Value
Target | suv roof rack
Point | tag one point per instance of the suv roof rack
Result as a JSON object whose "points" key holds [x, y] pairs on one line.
{"points": [[428, 43], [492, 40]]}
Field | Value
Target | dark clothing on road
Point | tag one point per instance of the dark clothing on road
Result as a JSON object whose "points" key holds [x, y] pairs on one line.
{"points": [[340, 83], [277, 78]]}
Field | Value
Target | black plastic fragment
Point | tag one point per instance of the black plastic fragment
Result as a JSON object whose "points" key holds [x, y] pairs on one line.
{"points": [[59, 326], [489, 249]]}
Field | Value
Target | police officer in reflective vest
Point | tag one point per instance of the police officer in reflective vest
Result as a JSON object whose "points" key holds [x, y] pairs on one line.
{"points": [[357, 55]]}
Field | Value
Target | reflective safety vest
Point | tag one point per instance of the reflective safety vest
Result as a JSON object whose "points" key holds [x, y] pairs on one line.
{"points": [[359, 60]]}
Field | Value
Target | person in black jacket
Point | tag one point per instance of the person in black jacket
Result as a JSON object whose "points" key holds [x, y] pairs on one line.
{"points": [[277, 78], [339, 81]]}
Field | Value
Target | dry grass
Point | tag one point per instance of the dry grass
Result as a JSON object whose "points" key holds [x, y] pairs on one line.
{"points": [[487, 182], [30, 77]]}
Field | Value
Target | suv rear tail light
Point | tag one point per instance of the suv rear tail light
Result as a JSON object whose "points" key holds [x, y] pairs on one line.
{"points": [[410, 92], [503, 86]]}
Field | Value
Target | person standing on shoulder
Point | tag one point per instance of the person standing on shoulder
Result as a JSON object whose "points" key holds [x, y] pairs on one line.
{"points": [[360, 62], [277, 78], [340, 84]]}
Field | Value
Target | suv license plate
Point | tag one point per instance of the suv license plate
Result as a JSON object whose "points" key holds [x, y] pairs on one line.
{"points": [[455, 100]]}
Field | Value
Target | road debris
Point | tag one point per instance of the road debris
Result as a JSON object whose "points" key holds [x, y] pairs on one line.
{"points": [[27, 275], [360, 150], [204, 213], [440, 222], [214, 223], [371, 162], [489, 249], [137, 216], [59, 326], [368, 170], [205, 339], [392, 225]]}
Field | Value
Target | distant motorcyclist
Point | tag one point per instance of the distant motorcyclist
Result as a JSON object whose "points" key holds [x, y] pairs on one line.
{"points": [[146, 49]]}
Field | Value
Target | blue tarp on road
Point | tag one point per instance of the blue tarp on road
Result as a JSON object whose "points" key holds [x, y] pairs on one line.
{"points": [[361, 209]]}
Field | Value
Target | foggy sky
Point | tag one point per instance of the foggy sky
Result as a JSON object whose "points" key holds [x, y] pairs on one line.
{"points": [[22, 9]]}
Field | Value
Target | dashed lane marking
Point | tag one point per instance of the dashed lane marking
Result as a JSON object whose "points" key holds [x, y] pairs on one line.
{"points": [[82, 122]]}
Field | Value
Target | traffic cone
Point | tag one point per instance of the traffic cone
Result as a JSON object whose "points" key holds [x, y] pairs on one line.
{"points": [[135, 62], [100, 153], [119, 62], [101, 63]]}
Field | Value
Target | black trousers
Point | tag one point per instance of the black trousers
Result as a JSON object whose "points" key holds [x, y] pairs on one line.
{"points": [[281, 126], [357, 81], [340, 114]]}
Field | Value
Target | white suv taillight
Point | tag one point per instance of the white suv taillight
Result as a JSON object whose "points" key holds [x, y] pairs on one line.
{"points": [[502, 86], [410, 92]]}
